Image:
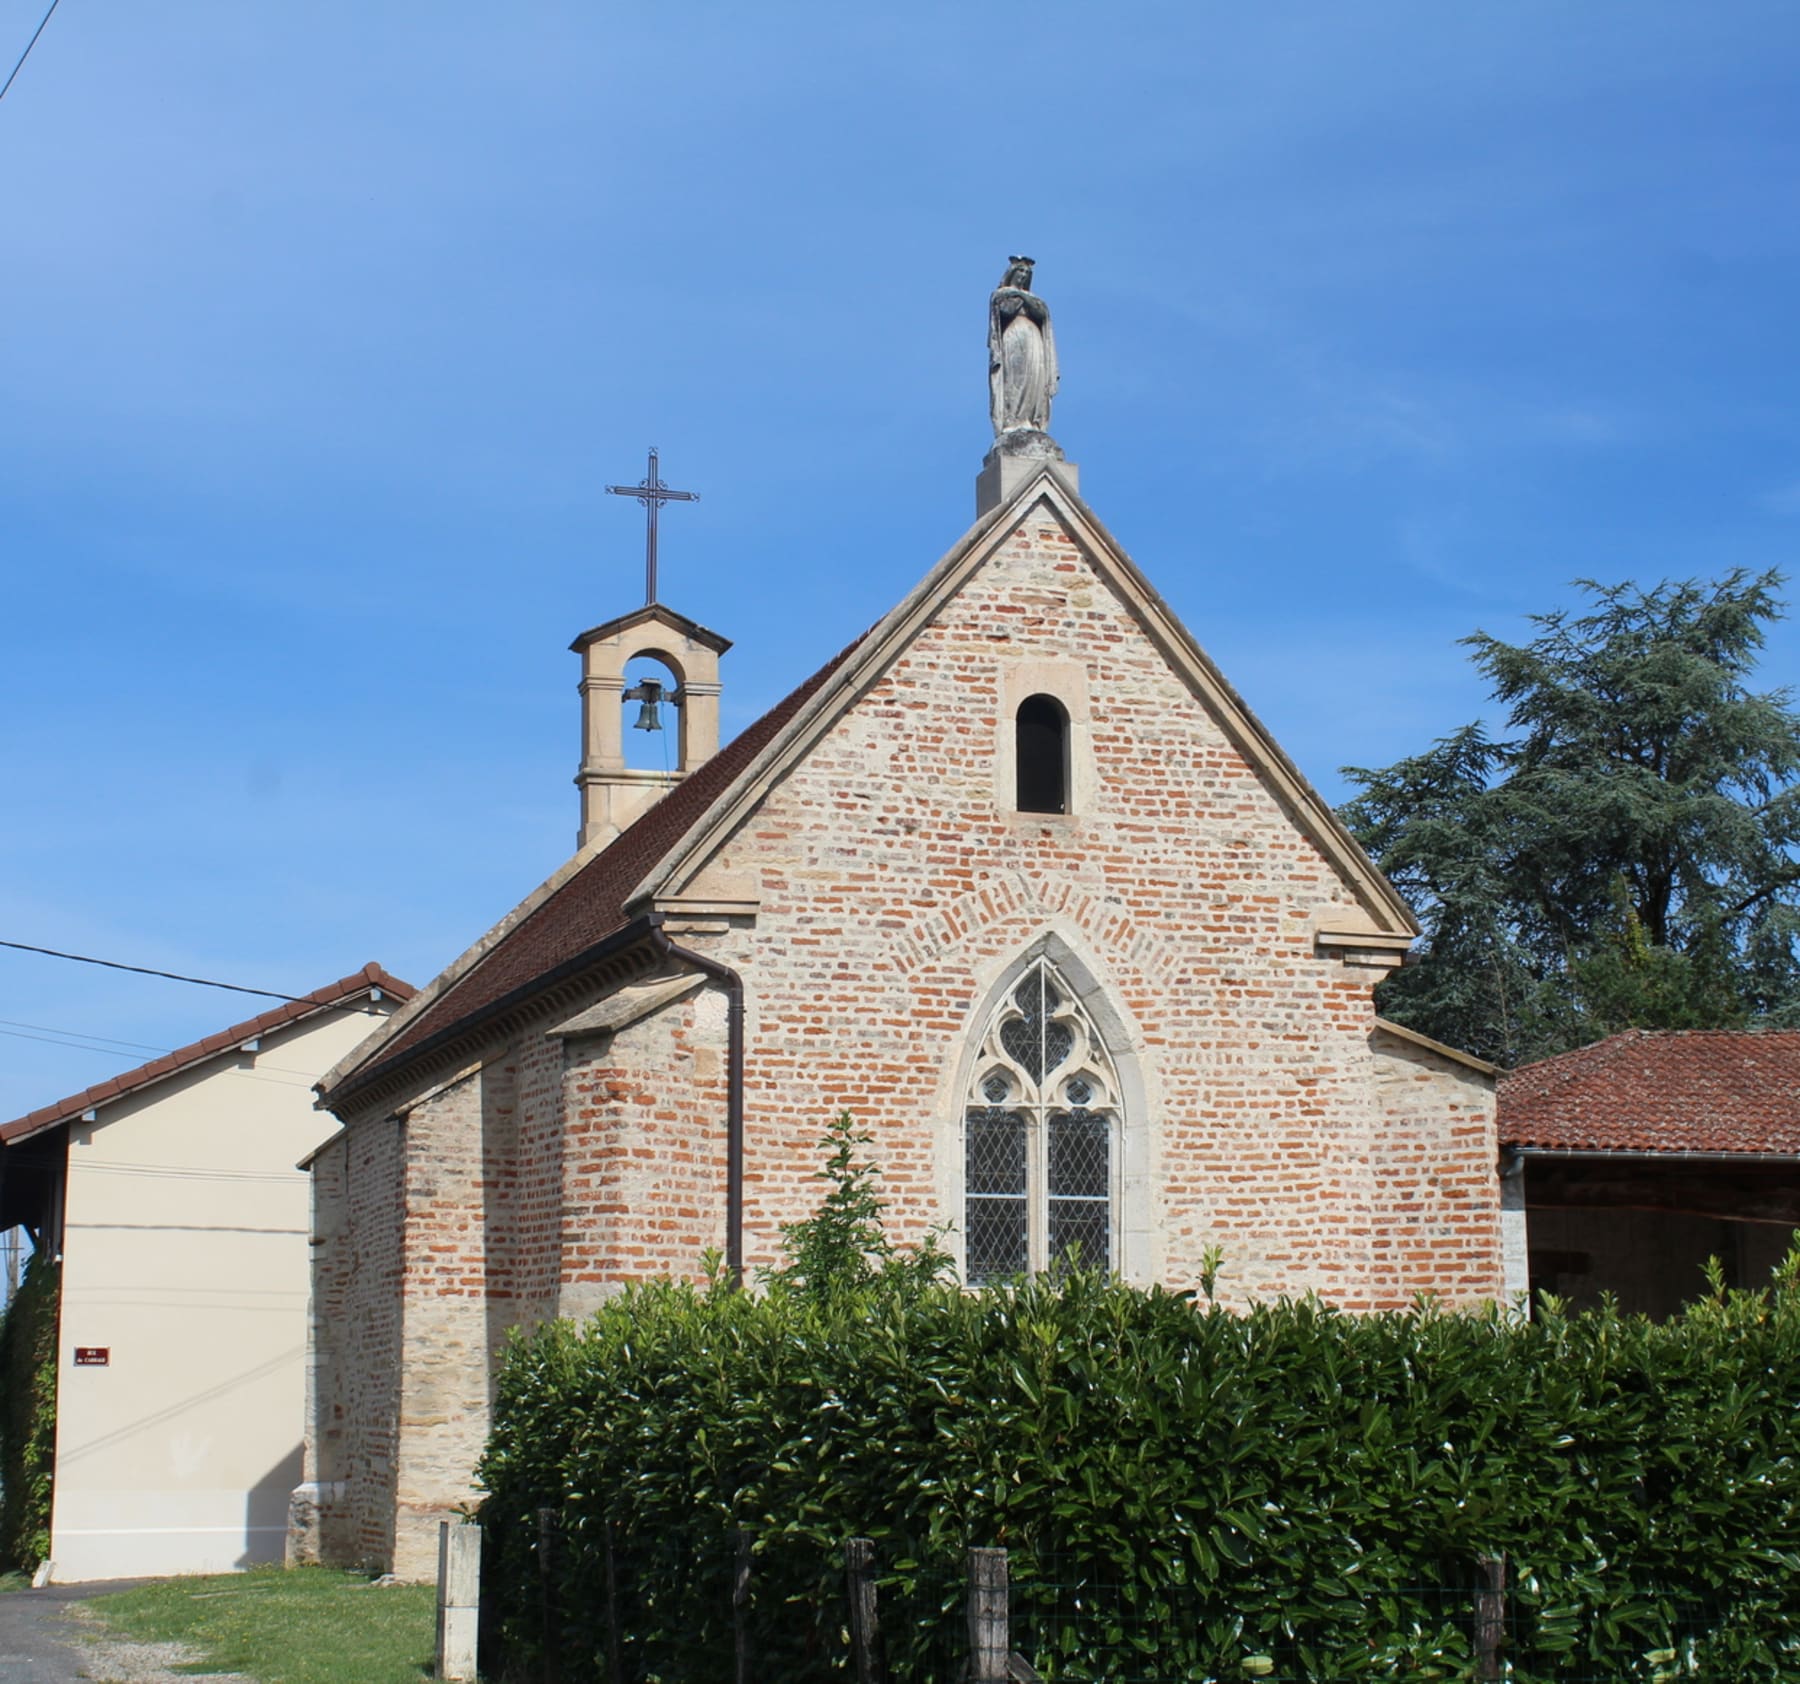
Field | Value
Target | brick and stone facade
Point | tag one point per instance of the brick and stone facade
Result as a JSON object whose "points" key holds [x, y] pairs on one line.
{"points": [[549, 1119]]}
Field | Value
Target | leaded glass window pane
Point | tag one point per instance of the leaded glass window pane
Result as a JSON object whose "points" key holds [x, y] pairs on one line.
{"points": [[1079, 1160], [1041, 1129], [1036, 1039], [997, 1239], [995, 1148], [1023, 1036], [997, 1217], [1080, 1145], [1079, 1230]]}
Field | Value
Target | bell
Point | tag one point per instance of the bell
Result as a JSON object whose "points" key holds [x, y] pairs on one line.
{"points": [[649, 697]]}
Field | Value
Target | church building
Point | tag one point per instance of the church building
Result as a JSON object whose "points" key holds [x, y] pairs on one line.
{"points": [[1017, 879]]}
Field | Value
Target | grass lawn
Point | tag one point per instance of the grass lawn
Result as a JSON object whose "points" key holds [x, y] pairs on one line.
{"points": [[308, 1626]]}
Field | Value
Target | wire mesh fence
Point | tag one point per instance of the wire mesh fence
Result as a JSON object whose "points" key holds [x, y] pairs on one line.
{"points": [[1086, 1627], [630, 1610]]}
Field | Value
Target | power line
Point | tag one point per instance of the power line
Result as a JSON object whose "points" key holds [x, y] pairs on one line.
{"points": [[83, 1035], [176, 976], [190, 1172], [76, 1046], [83, 1044], [28, 46], [82, 1041], [302, 1078]]}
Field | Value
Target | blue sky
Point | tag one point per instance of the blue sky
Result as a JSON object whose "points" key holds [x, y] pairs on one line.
{"points": [[326, 325]]}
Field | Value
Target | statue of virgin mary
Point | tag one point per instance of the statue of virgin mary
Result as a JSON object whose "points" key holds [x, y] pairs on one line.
{"points": [[1022, 374]]}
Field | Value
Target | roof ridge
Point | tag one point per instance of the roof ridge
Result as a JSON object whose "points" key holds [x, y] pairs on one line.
{"points": [[371, 976], [1609, 1046]]}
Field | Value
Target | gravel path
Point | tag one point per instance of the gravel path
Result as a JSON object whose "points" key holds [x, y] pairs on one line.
{"points": [[47, 1637]]}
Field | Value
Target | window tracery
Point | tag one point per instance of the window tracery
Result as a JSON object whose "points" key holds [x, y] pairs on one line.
{"points": [[1040, 1129]]}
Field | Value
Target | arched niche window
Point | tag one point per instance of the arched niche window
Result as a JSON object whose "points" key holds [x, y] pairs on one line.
{"points": [[651, 721], [1042, 755], [1040, 1133]]}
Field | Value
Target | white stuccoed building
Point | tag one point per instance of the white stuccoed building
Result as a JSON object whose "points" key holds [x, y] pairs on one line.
{"points": [[172, 1195]]}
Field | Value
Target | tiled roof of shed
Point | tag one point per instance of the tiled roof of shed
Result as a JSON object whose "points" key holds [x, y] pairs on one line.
{"points": [[172, 1063], [1702, 1090], [590, 905]]}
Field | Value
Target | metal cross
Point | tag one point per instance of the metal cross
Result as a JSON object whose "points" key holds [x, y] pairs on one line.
{"points": [[652, 493]]}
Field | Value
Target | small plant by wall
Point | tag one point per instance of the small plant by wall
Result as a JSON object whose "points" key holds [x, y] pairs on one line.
{"points": [[28, 1415]]}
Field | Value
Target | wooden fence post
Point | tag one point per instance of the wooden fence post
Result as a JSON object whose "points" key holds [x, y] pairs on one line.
{"points": [[552, 1635], [615, 1665], [865, 1623], [458, 1598], [740, 1604], [1490, 1616], [990, 1644]]}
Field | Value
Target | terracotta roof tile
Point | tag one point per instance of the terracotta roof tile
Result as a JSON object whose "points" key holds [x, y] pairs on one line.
{"points": [[589, 907], [1705, 1090], [169, 1064]]}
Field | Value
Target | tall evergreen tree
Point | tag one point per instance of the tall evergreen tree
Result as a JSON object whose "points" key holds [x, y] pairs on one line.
{"points": [[1627, 857]]}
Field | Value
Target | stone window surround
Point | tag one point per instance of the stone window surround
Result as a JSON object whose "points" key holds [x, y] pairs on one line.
{"points": [[1136, 1142], [1033, 1086], [1065, 682]]}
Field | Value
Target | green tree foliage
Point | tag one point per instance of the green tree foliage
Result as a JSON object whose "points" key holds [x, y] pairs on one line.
{"points": [[1185, 1493], [1626, 858], [28, 1415]]}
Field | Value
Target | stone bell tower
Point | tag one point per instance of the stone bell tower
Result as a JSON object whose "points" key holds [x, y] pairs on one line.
{"points": [[612, 793]]}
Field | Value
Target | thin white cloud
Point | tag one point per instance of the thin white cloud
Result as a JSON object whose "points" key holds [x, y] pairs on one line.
{"points": [[1784, 499]]}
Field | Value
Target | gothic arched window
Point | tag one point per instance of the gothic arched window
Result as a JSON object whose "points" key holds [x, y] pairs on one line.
{"points": [[1041, 744], [1039, 1128]]}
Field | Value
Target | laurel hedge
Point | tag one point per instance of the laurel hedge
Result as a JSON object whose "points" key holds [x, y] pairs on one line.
{"points": [[1186, 1493]]}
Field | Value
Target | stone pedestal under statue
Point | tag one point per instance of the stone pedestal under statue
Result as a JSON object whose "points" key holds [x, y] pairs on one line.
{"points": [[1016, 456]]}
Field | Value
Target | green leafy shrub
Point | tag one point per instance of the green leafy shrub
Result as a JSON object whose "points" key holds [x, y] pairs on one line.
{"points": [[842, 1249], [1184, 1492], [28, 1415]]}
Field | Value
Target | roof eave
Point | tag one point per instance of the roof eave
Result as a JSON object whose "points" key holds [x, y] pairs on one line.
{"points": [[344, 1092], [1442, 1048], [1649, 1154]]}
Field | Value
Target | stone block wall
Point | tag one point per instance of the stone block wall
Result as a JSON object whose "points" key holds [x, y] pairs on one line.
{"points": [[318, 1518], [1437, 1213], [900, 890], [344, 1510], [644, 1151]]}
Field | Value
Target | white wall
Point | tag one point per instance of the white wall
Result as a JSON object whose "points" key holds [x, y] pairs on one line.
{"points": [[185, 1256]]}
